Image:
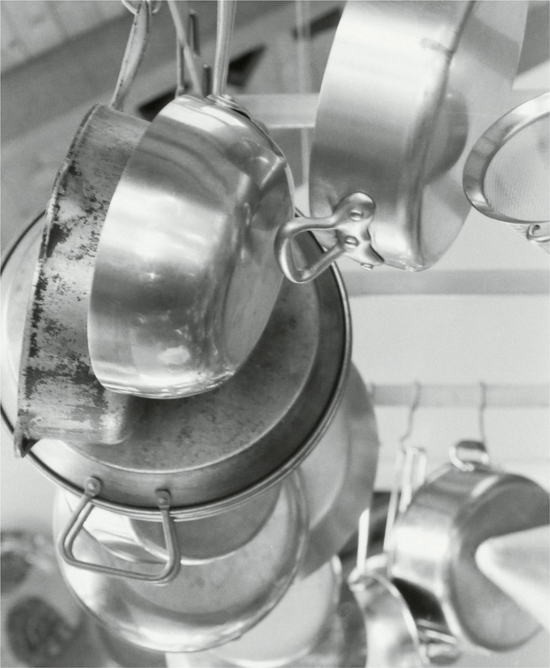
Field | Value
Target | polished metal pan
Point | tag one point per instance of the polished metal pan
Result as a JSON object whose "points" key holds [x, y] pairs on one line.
{"points": [[433, 545], [185, 277], [408, 88]]}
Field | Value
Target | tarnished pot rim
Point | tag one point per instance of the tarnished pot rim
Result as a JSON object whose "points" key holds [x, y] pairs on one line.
{"points": [[6, 257]]}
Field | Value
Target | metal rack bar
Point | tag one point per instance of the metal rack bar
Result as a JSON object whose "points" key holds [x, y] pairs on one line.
{"points": [[467, 396], [454, 282]]}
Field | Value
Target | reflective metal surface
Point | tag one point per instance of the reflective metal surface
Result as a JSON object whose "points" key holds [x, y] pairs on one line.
{"points": [[58, 396], [519, 564], [185, 277], [392, 636], [433, 544], [507, 172], [279, 641], [408, 89], [211, 601], [240, 438], [339, 474]]}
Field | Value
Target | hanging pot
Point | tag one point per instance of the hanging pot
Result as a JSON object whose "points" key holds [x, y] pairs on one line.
{"points": [[185, 278], [433, 544], [408, 89]]}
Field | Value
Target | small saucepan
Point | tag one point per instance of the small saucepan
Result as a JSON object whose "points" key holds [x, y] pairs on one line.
{"points": [[185, 277], [433, 544]]}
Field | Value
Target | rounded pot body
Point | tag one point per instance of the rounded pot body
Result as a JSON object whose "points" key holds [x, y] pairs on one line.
{"points": [[433, 546], [185, 276], [397, 117]]}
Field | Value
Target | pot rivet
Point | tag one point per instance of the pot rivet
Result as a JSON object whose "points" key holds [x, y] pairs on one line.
{"points": [[351, 242], [356, 214], [367, 267], [92, 486]]}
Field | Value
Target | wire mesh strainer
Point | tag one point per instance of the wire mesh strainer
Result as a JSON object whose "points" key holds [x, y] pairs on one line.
{"points": [[507, 173]]}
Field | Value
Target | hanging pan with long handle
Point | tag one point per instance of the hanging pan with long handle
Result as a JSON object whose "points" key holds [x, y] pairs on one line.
{"points": [[185, 277], [408, 89]]}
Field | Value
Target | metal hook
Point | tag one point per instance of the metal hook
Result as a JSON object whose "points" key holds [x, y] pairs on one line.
{"points": [[414, 405], [482, 408], [536, 234], [133, 5], [135, 49], [184, 53], [393, 506]]}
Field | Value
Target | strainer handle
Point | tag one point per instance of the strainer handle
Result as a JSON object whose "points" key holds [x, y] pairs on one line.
{"points": [[82, 512], [356, 209]]}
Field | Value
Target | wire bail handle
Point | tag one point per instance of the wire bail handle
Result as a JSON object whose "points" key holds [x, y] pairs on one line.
{"points": [[68, 536], [188, 49]]}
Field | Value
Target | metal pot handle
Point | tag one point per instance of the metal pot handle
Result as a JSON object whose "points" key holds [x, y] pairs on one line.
{"points": [[469, 455], [538, 233], [135, 48], [349, 220], [84, 508]]}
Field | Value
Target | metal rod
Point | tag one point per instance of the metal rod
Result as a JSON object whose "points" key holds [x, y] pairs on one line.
{"points": [[363, 542], [184, 49], [224, 29], [467, 396], [303, 59]]}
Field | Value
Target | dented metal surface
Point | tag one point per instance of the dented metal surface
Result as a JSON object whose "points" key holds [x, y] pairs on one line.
{"points": [[58, 395]]}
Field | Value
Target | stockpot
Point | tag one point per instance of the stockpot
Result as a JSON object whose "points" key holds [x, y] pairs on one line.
{"points": [[433, 543], [185, 276], [408, 88]]}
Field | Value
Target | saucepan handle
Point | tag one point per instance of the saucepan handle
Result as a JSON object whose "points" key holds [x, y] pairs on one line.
{"points": [[135, 47], [355, 210], [539, 233], [469, 455], [76, 522]]}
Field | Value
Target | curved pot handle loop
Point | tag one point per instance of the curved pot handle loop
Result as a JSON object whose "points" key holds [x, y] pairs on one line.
{"points": [[469, 455], [355, 210], [135, 49], [86, 505], [538, 233]]}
